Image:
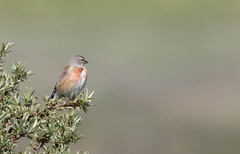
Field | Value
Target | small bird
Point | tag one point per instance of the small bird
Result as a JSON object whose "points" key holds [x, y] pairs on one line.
{"points": [[72, 80]]}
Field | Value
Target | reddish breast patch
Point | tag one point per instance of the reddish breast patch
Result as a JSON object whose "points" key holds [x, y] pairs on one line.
{"points": [[76, 74]]}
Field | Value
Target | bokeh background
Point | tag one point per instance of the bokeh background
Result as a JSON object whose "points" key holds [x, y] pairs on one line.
{"points": [[165, 72]]}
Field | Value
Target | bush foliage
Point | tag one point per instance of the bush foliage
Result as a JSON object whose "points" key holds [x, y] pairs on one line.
{"points": [[49, 126]]}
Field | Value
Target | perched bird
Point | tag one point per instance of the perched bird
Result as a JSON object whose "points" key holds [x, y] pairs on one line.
{"points": [[72, 80]]}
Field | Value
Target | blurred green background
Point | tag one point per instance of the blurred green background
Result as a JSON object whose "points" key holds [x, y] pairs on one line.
{"points": [[166, 72]]}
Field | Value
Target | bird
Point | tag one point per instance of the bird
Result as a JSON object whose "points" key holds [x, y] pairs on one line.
{"points": [[72, 80]]}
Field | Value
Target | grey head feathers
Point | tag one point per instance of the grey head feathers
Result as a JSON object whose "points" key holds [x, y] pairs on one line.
{"points": [[78, 60]]}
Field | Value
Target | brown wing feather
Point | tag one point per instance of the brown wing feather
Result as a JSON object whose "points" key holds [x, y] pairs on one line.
{"points": [[63, 74]]}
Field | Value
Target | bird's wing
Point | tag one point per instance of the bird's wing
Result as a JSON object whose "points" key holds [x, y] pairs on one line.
{"points": [[63, 74]]}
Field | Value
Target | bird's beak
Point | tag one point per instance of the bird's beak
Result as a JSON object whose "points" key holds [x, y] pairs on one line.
{"points": [[85, 61]]}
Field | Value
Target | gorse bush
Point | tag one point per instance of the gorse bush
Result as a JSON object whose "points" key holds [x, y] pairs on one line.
{"points": [[49, 126]]}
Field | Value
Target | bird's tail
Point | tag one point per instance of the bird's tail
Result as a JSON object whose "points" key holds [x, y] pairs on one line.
{"points": [[53, 93]]}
